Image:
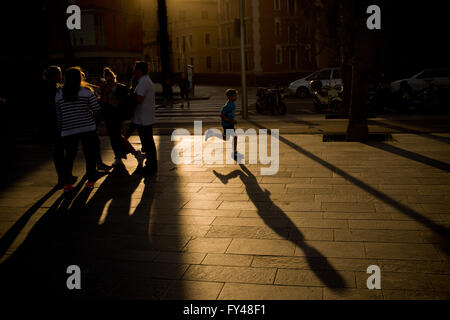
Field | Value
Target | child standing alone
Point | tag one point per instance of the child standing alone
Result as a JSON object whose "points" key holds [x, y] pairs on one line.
{"points": [[227, 116]]}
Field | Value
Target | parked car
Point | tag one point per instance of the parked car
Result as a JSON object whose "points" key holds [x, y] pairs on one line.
{"points": [[437, 77], [329, 77]]}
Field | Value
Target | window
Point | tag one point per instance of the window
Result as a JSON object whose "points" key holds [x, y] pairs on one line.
{"points": [[292, 33], [293, 59], [204, 15], [227, 10], [276, 4], [179, 64], [177, 42], [291, 7], [184, 43], [336, 74], [207, 39], [190, 40], [278, 55], [324, 75], [182, 14], [277, 27], [192, 61], [230, 63], [228, 36], [208, 62]]}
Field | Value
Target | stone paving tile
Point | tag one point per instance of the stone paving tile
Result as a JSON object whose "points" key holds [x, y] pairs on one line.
{"points": [[140, 269], [202, 204], [205, 213], [411, 266], [230, 274], [249, 232], [250, 222], [440, 282], [228, 260], [302, 263], [357, 216], [221, 189], [232, 291], [274, 213], [394, 280], [385, 225], [233, 197], [320, 223], [261, 247], [180, 257], [414, 295], [310, 279], [335, 249], [237, 205], [298, 206], [405, 236], [348, 207], [352, 294], [172, 219], [304, 233], [208, 245], [193, 290], [401, 251], [183, 230]]}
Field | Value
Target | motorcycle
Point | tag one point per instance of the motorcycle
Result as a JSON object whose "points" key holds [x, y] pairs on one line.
{"points": [[326, 97], [269, 101]]}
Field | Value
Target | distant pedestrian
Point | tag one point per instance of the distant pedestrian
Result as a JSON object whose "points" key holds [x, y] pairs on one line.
{"points": [[167, 92], [115, 110], [52, 79], [184, 89], [228, 119], [76, 108], [144, 115]]}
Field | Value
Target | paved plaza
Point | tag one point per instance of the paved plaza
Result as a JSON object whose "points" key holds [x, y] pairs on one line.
{"points": [[199, 231]]}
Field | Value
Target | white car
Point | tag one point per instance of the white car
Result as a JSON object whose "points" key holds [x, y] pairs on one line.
{"points": [[425, 78], [329, 77]]}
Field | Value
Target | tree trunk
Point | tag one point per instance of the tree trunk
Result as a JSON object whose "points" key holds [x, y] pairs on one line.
{"points": [[163, 39], [357, 129]]}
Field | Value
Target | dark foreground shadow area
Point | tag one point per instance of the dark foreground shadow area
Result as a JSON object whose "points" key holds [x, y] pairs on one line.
{"points": [[273, 215], [106, 232]]}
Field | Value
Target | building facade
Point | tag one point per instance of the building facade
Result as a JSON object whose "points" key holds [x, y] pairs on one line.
{"points": [[111, 34], [193, 33], [282, 37]]}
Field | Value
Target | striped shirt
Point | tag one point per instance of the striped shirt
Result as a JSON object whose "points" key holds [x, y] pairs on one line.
{"points": [[77, 116]]}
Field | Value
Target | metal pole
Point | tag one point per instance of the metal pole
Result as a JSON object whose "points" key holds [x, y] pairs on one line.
{"points": [[243, 71]]}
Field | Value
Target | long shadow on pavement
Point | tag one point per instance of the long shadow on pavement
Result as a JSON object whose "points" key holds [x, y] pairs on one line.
{"points": [[106, 235], [440, 230], [272, 215], [410, 155]]}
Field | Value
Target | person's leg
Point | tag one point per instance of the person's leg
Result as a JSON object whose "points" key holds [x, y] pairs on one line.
{"points": [[70, 148], [114, 127], [58, 158], [148, 145], [89, 149]]}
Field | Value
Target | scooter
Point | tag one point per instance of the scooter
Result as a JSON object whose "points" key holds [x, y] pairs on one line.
{"points": [[269, 101], [326, 97]]}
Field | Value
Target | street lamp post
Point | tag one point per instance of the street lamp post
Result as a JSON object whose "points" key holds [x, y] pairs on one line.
{"points": [[243, 71]]}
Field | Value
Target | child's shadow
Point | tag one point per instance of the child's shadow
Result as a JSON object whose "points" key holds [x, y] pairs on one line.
{"points": [[261, 198]]}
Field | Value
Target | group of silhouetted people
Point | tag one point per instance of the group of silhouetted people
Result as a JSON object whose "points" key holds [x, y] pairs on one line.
{"points": [[75, 108]]}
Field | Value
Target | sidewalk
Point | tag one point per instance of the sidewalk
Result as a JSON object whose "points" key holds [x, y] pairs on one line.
{"points": [[227, 232]]}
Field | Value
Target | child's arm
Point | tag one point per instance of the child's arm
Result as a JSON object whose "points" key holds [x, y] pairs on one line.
{"points": [[226, 119]]}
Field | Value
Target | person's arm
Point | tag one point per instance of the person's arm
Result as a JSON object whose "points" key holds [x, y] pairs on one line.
{"points": [[93, 104], [140, 91]]}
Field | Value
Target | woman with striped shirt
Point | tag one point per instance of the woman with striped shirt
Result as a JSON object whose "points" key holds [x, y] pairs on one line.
{"points": [[76, 108]]}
